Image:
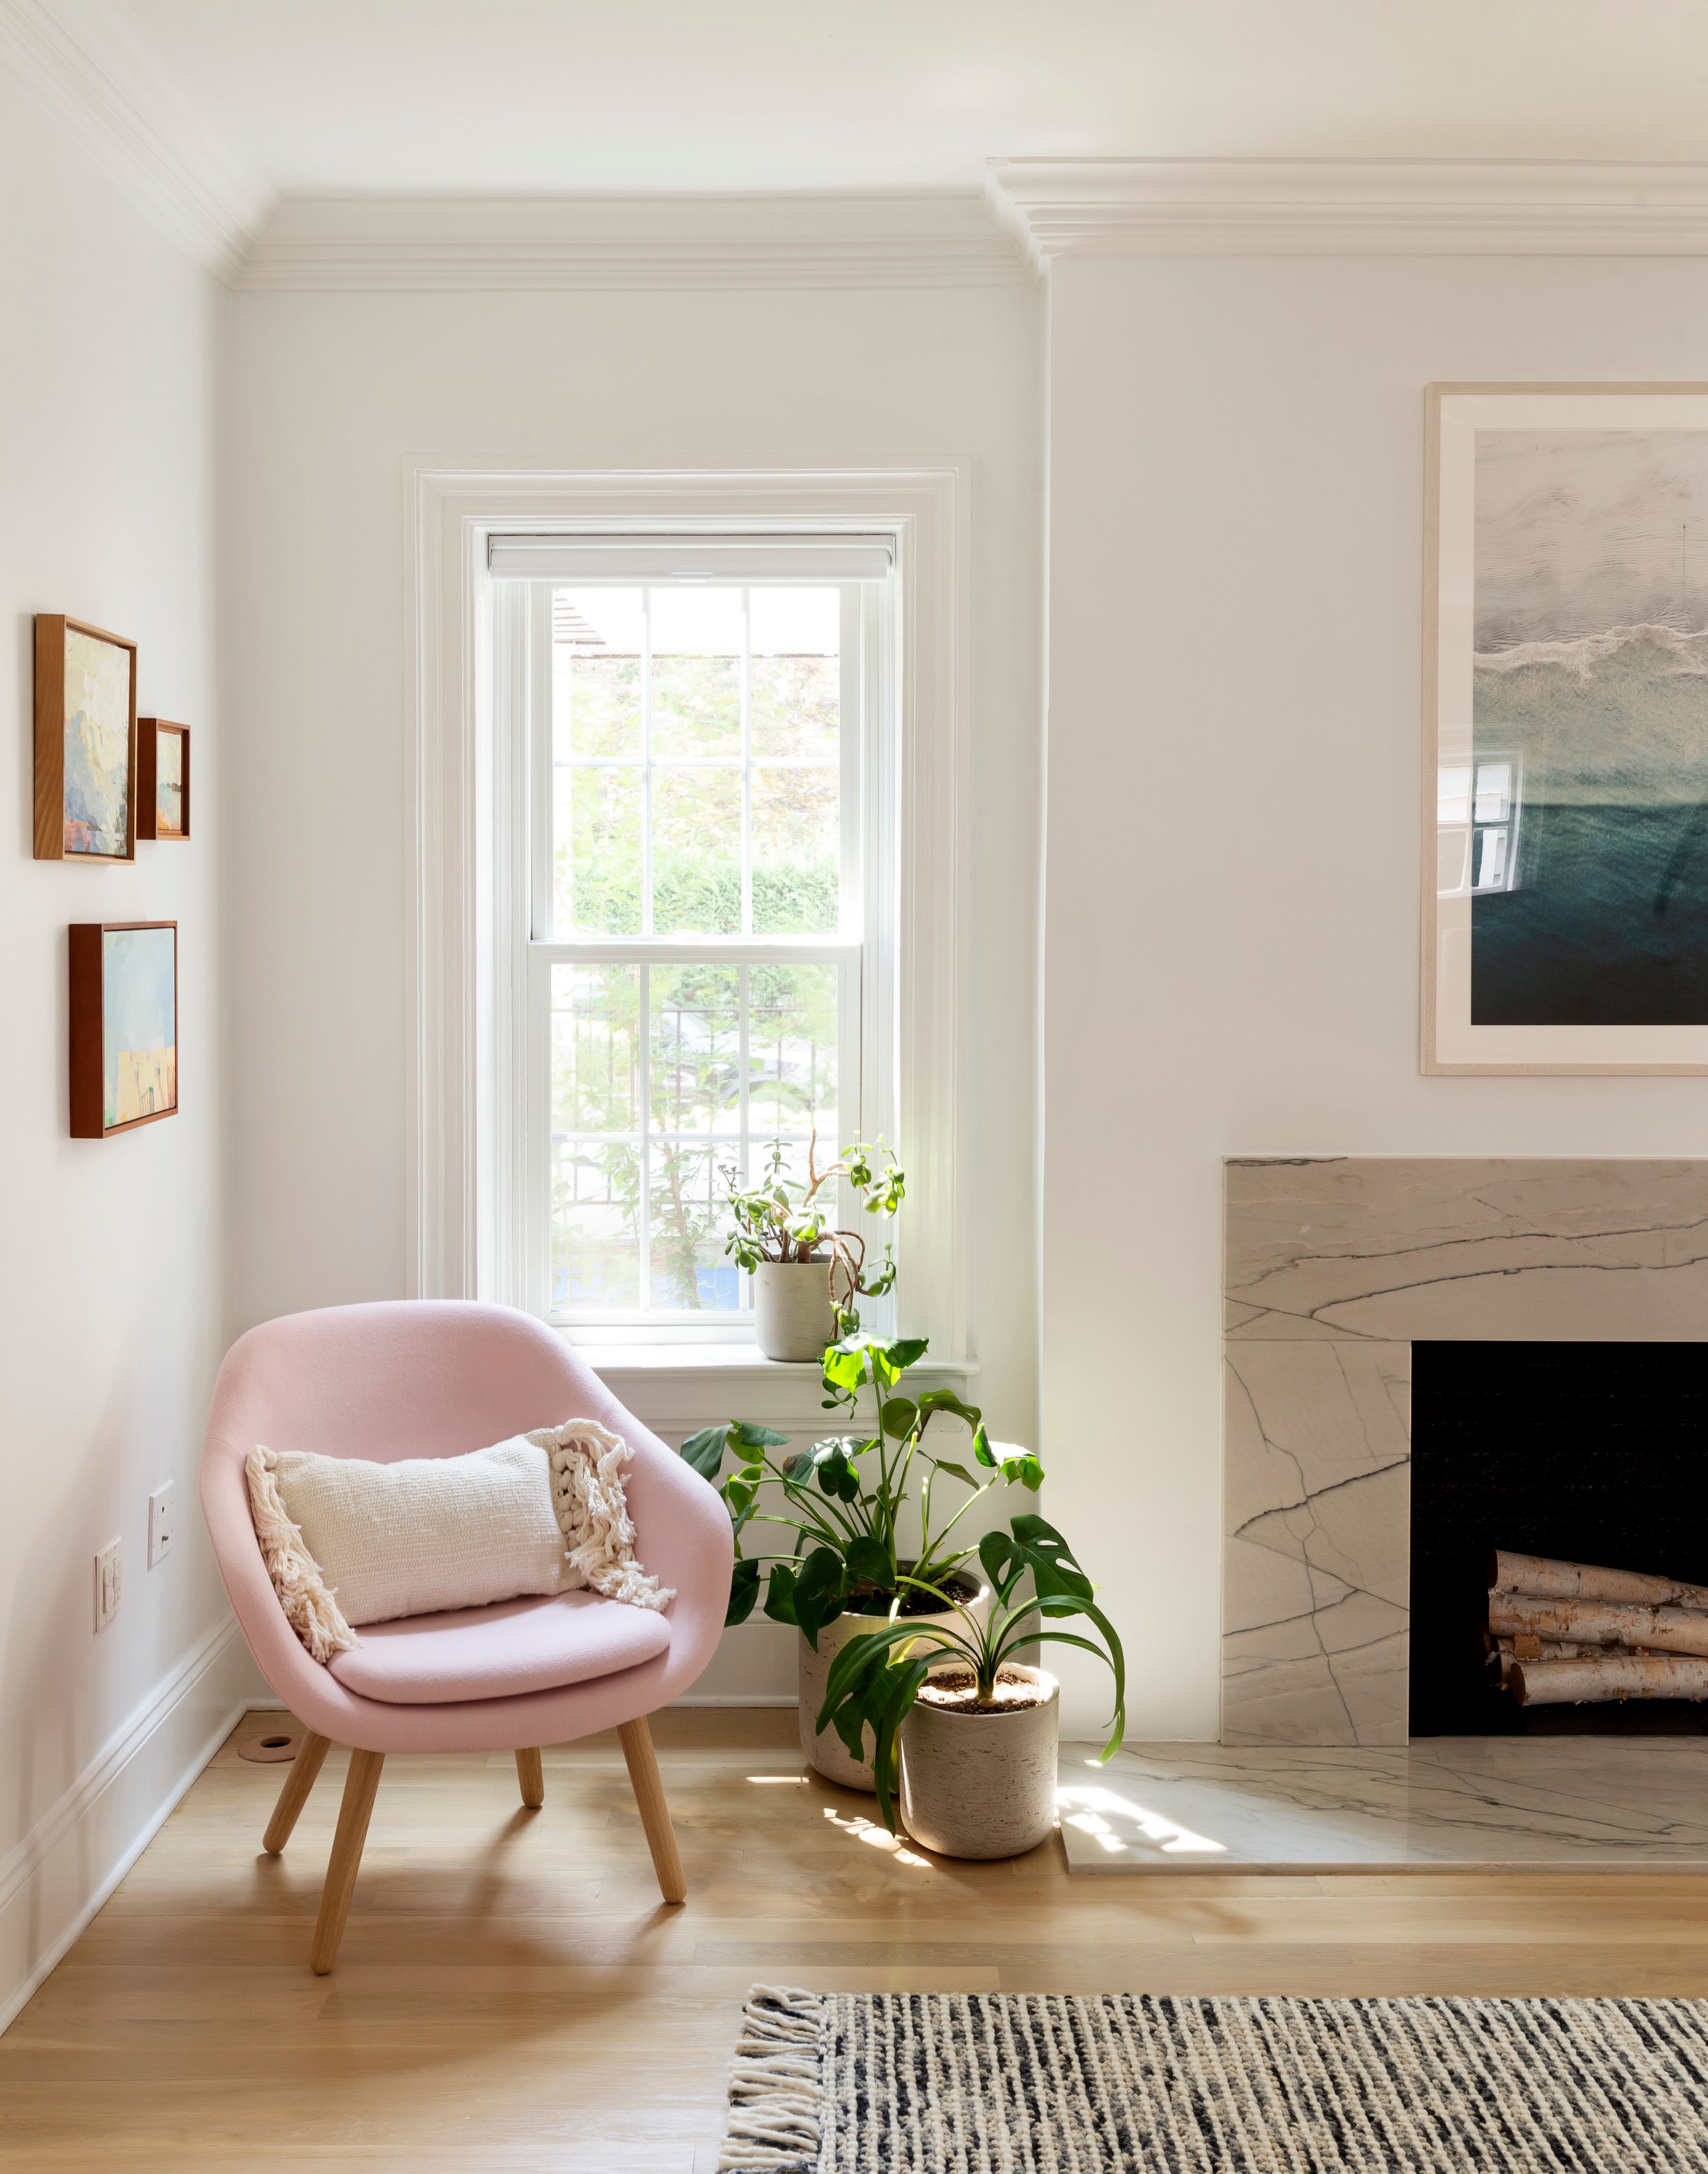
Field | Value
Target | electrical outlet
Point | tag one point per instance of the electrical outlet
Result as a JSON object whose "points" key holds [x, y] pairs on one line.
{"points": [[160, 1524], [107, 1566]]}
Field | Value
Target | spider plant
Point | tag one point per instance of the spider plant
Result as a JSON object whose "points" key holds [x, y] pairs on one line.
{"points": [[876, 1678]]}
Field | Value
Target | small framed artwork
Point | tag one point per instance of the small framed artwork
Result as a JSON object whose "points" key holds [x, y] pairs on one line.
{"points": [[163, 779], [1565, 740], [124, 1025], [85, 741]]}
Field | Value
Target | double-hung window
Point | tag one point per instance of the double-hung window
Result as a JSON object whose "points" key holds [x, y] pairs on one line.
{"points": [[707, 895]]}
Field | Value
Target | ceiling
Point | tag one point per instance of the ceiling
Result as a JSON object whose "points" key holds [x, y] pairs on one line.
{"points": [[681, 95]]}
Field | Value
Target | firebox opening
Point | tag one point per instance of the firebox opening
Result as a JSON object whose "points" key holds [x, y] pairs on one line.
{"points": [[1591, 1453]]}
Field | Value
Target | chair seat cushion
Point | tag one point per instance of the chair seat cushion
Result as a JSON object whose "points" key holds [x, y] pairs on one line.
{"points": [[500, 1651]]}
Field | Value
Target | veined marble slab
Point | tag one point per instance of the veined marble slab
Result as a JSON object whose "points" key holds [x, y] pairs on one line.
{"points": [[1334, 1267], [1629, 1804]]}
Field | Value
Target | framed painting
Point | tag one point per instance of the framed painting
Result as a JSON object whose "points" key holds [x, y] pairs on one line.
{"points": [[85, 741], [1565, 742], [124, 1025], [163, 779]]}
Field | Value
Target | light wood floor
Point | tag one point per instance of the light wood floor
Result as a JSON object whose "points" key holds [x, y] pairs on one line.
{"points": [[512, 1995]]}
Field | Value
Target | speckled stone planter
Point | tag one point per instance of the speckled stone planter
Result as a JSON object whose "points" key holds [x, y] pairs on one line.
{"points": [[980, 1785], [828, 1753], [794, 1316]]}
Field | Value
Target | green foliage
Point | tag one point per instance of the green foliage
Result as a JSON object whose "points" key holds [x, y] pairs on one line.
{"points": [[843, 1499], [782, 1220], [875, 1678]]}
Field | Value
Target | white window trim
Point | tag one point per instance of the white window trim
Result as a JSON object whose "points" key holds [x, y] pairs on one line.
{"points": [[461, 833]]}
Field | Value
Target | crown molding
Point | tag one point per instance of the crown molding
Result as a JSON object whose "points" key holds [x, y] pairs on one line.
{"points": [[1351, 206], [467, 244], [86, 61]]}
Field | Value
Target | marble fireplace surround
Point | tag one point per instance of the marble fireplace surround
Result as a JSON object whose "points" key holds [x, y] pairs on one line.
{"points": [[1334, 1267]]}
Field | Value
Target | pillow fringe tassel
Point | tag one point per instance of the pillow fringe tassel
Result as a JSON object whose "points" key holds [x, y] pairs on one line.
{"points": [[777, 2084], [592, 1511], [304, 1595]]}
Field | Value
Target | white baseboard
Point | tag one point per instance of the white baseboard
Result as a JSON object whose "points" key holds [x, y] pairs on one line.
{"points": [[53, 1883], [737, 1698]]}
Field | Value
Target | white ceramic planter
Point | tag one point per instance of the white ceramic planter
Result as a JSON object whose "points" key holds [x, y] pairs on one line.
{"points": [[794, 1316], [980, 1785], [828, 1753]]}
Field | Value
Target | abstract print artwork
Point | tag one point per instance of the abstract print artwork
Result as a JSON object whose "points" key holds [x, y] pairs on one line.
{"points": [[85, 741], [163, 779], [1566, 914], [124, 1025]]}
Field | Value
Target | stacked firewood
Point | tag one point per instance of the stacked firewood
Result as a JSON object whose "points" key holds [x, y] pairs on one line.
{"points": [[1564, 1633]]}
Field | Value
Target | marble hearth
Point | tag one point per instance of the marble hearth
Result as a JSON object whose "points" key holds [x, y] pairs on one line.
{"points": [[1334, 1267]]}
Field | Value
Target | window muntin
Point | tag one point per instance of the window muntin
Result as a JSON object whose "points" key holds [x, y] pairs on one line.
{"points": [[698, 948]]}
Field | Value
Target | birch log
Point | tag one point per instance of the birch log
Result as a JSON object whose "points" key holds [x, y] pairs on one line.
{"points": [[1500, 1652], [1599, 1623], [1548, 1580], [1602, 1677]]}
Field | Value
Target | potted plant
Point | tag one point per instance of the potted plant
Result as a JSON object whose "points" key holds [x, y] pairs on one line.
{"points": [[844, 1500], [807, 1276], [972, 1730]]}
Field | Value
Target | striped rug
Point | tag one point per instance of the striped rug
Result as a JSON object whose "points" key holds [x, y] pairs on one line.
{"points": [[995, 2083]]}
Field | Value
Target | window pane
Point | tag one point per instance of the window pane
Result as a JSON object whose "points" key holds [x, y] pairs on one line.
{"points": [[596, 857], [696, 853], [696, 1049], [595, 1226], [690, 1273], [696, 671], [596, 672], [792, 1054], [795, 852], [796, 674], [596, 1073]]}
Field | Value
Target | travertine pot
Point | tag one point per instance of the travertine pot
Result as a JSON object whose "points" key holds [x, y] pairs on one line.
{"points": [[980, 1785], [794, 1316], [828, 1752]]}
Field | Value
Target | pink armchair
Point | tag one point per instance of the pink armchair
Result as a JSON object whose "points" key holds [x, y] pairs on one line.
{"points": [[420, 1378]]}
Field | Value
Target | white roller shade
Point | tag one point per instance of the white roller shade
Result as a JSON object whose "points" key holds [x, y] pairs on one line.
{"points": [[583, 560]]}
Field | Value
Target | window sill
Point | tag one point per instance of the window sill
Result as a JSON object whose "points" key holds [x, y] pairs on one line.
{"points": [[726, 1361], [677, 1388]]}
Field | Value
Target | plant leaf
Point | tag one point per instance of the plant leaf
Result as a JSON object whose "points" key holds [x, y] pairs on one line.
{"points": [[981, 1448], [959, 1472], [818, 1594], [750, 1436], [1024, 1471], [869, 1558], [779, 1599], [705, 1451], [744, 1590], [897, 1416]]}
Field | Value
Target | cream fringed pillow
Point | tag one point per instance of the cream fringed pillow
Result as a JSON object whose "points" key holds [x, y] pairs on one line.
{"points": [[348, 1541]]}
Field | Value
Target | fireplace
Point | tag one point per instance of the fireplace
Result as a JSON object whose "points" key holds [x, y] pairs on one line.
{"points": [[1587, 1453], [1345, 1273]]}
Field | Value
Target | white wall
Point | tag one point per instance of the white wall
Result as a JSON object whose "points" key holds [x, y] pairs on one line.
{"points": [[330, 395], [110, 1307], [1234, 566]]}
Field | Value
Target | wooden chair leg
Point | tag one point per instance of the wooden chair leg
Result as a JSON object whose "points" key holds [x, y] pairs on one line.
{"points": [[360, 1786], [530, 1772], [636, 1739], [299, 1778]]}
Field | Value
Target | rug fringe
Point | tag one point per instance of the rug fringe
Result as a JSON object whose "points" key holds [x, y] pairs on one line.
{"points": [[773, 2085]]}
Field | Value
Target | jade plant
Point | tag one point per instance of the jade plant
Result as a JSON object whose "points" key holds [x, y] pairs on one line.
{"points": [[876, 1678], [780, 1220], [843, 1500]]}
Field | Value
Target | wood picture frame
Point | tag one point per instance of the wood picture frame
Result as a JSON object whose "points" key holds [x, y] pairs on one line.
{"points": [[1544, 594], [85, 741], [124, 1026], [163, 780]]}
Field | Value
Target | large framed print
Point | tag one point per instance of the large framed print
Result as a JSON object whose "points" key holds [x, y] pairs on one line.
{"points": [[1565, 741]]}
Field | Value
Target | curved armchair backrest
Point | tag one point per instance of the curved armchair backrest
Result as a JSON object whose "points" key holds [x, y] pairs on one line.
{"points": [[414, 1378]]}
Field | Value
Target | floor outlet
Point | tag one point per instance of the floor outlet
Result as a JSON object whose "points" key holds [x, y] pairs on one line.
{"points": [[107, 1584], [159, 1525]]}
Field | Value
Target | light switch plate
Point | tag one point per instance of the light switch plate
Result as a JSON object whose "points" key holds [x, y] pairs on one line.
{"points": [[160, 1521], [107, 1583]]}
